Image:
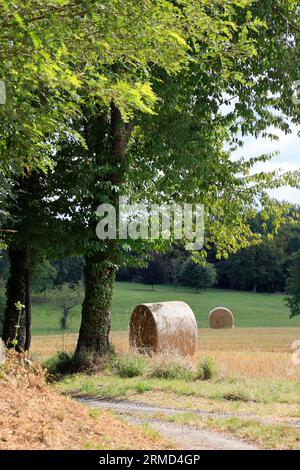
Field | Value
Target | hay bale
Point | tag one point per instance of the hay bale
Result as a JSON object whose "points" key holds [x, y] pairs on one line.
{"points": [[221, 318], [163, 326]]}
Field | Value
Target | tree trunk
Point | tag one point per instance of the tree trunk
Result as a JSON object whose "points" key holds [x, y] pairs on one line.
{"points": [[93, 341], [17, 323], [28, 287], [64, 318], [26, 206], [107, 141]]}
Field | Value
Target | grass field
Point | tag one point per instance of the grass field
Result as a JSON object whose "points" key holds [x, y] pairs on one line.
{"points": [[259, 346], [255, 374], [248, 352], [255, 381], [250, 309]]}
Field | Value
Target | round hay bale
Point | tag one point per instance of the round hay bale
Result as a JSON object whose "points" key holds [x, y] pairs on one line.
{"points": [[221, 318], [163, 326]]}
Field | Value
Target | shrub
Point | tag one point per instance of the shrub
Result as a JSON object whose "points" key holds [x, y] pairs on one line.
{"points": [[142, 387], [206, 369], [129, 365], [171, 365], [61, 363]]}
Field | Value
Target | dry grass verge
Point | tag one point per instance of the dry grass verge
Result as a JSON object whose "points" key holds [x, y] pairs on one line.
{"points": [[257, 353], [32, 416]]}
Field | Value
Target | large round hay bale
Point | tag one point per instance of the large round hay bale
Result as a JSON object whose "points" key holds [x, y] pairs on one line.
{"points": [[221, 318], [162, 327]]}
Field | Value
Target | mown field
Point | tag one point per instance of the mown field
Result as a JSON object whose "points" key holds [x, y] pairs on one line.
{"points": [[254, 380], [260, 345], [250, 310]]}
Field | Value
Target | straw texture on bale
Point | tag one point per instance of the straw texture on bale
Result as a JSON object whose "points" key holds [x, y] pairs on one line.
{"points": [[221, 318], [163, 326]]}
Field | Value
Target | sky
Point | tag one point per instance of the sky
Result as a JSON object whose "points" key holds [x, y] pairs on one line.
{"points": [[288, 147]]}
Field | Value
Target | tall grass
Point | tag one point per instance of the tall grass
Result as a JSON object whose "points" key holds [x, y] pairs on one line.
{"points": [[171, 365], [206, 369]]}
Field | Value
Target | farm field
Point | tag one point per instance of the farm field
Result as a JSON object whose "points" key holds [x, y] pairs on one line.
{"points": [[253, 396], [249, 352], [250, 309]]}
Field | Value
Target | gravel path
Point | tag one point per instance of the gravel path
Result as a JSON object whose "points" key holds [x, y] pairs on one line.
{"points": [[184, 437], [128, 407], [191, 438]]}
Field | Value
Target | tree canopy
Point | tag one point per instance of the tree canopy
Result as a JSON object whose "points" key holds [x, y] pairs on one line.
{"points": [[146, 99]]}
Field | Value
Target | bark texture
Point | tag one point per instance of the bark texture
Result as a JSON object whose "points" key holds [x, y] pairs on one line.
{"points": [[17, 323], [107, 138]]}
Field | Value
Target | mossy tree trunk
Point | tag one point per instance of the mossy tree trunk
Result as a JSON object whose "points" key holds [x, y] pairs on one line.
{"points": [[107, 138], [93, 341]]}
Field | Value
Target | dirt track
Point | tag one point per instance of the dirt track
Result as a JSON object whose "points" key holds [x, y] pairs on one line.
{"points": [[182, 436]]}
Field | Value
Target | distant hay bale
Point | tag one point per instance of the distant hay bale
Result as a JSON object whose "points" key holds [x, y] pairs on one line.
{"points": [[163, 327], [221, 318]]}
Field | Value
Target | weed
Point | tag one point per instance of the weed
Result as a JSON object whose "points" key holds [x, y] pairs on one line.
{"points": [[129, 365], [61, 363], [142, 387], [206, 369], [171, 365]]}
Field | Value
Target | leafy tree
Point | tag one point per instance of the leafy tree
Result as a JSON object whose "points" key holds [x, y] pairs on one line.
{"points": [[128, 274], [293, 286], [26, 247], [145, 120], [115, 130], [44, 276], [186, 274], [66, 297], [258, 268], [205, 276], [72, 75], [200, 276], [263, 267], [68, 270], [41, 86], [157, 271]]}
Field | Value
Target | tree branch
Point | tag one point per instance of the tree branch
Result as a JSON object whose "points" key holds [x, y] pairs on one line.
{"points": [[292, 25]]}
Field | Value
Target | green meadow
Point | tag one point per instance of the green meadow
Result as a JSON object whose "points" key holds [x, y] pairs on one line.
{"points": [[250, 309]]}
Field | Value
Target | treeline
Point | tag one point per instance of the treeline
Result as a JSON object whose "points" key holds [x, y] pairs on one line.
{"points": [[48, 273], [261, 268], [101, 104], [174, 267], [264, 267], [271, 266]]}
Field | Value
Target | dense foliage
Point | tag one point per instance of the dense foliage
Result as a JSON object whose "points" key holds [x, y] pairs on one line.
{"points": [[199, 276], [146, 99]]}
